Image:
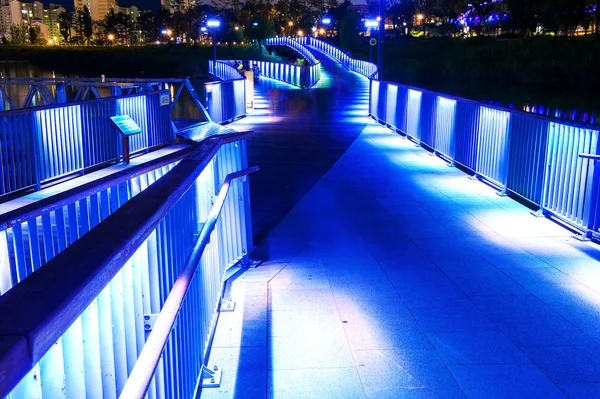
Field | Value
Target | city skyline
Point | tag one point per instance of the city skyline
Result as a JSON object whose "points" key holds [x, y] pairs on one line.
{"points": [[141, 4]]}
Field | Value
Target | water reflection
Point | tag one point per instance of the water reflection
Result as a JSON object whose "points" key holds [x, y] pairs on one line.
{"points": [[184, 108]]}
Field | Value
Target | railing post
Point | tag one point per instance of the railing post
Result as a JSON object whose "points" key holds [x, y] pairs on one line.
{"points": [[61, 95]]}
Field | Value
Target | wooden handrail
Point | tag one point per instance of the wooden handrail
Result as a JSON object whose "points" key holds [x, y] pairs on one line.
{"points": [[42, 307]]}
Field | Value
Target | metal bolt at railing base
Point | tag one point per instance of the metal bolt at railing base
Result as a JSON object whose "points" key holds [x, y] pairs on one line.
{"points": [[216, 368], [146, 317], [212, 380], [147, 326]]}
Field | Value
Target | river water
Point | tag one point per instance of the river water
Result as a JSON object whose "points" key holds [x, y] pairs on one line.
{"points": [[185, 107]]}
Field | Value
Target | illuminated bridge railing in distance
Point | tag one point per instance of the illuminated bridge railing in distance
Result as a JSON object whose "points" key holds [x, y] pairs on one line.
{"points": [[43, 144], [531, 156], [359, 66], [84, 316], [295, 45], [226, 98], [295, 75]]}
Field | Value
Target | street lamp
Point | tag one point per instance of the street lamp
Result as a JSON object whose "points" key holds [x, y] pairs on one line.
{"points": [[111, 37], [214, 24], [300, 33], [326, 21]]}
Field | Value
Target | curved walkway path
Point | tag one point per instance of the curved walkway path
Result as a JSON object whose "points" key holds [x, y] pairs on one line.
{"points": [[388, 274]]}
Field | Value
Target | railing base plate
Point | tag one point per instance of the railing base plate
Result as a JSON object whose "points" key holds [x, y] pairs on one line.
{"points": [[584, 237], [227, 305], [539, 213], [211, 378]]}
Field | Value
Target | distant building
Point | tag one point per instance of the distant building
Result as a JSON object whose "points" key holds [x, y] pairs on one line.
{"points": [[4, 18], [98, 8], [181, 4], [52, 22], [132, 11], [22, 13]]}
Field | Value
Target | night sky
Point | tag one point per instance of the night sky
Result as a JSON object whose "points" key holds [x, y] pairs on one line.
{"points": [[141, 4]]}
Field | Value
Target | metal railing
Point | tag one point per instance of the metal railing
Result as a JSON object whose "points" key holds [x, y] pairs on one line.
{"points": [[43, 144], [295, 75], [226, 99], [225, 70], [532, 156], [36, 92], [359, 66], [96, 301], [294, 45]]}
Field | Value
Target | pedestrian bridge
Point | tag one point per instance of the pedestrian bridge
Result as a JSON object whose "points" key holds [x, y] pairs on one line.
{"points": [[390, 265]]}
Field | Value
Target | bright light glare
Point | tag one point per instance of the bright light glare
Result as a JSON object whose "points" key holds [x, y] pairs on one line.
{"points": [[370, 23], [213, 23], [326, 21]]}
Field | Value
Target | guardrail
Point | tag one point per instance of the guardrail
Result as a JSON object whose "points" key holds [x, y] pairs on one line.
{"points": [[303, 77], [226, 99], [532, 156], [43, 144], [83, 317], [38, 92], [225, 70], [293, 44], [359, 66]]}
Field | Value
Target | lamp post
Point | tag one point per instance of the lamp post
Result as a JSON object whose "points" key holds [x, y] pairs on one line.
{"points": [[371, 24], [214, 24], [326, 21]]}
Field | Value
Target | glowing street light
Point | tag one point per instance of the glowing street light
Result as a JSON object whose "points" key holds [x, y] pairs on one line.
{"points": [[111, 37], [214, 24], [326, 21], [255, 23], [371, 23], [300, 33], [203, 29], [290, 24]]}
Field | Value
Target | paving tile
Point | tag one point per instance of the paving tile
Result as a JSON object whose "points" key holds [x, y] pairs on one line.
{"points": [[299, 279], [364, 334], [337, 383], [567, 364], [581, 391], [244, 373], [515, 381], [301, 299], [304, 323], [506, 306], [295, 352], [543, 331], [388, 373], [482, 347], [452, 319], [434, 297]]}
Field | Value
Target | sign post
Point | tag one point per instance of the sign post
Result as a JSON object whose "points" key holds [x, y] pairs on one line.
{"points": [[127, 127]]}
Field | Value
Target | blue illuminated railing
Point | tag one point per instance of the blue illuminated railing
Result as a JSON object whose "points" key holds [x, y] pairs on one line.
{"points": [[359, 66], [295, 45], [532, 156], [51, 142], [226, 100], [303, 77], [97, 300], [225, 70]]}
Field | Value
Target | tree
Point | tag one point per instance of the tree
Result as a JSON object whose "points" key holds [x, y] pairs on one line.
{"points": [[349, 28], [83, 26], [146, 23], [17, 35], [119, 25], [259, 29], [65, 20]]}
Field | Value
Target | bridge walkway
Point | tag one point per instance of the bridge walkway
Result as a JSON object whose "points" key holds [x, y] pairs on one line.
{"points": [[388, 274]]}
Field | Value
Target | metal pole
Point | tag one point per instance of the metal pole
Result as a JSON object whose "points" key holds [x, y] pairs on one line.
{"points": [[381, 38], [215, 49]]}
